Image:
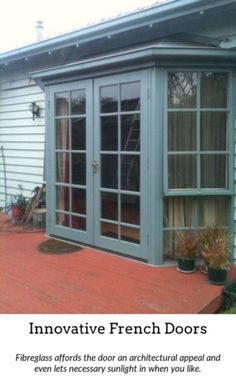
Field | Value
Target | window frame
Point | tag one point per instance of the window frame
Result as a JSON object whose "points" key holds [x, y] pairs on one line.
{"points": [[198, 191]]}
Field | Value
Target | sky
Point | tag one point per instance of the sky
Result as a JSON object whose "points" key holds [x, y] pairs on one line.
{"points": [[18, 17]]}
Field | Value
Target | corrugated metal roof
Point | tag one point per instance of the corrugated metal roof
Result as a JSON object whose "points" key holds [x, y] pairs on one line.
{"points": [[157, 3], [158, 12]]}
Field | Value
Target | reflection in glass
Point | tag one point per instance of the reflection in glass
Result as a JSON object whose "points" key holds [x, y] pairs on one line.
{"points": [[62, 167], [109, 171], [182, 89], [213, 171], [62, 198], [214, 90], [62, 134], [213, 131], [78, 168], [109, 206], [78, 133], [109, 230], [181, 131], [62, 219], [214, 211], [78, 203], [130, 96], [130, 172], [78, 223], [109, 133], [131, 235], [78, 102], [62, 104], [109, 99], [130, 132], [130, 209], [182, 171]]}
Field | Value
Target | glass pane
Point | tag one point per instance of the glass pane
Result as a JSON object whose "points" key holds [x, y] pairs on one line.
{"points": [[181, 131], [130, 209], [213, 171], [109, 133], [109, 171], [62, 167], [78, 168], [214, 90], [179, 212], [130, 132], [109, 206], [109, 99], [62, 134], [78, 133], [78, 223], [169, 244], [62, 219], [130, 99], [62, 104], [182, 171], [78, 200], [214, 211], [213, 131], [78, 102], [182, 89], [62, 198], [132, 235], [130, 172], [109, 230]]}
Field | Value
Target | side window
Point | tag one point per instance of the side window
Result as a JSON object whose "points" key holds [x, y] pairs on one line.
{"points": [[197, 148], [197, 177]]}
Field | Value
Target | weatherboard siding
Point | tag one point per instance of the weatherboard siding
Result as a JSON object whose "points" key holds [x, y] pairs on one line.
{"points": [[21, 138]]}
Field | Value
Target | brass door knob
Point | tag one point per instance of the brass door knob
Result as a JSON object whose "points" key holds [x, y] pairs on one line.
{"points": [[94, 166]]}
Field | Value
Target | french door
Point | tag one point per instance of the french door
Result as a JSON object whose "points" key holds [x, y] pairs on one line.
{"points": [[97, 163]]}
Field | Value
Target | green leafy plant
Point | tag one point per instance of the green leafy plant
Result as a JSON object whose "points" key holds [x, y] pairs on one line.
{"points": [[231, 311], [187, 244], [19, 200]]}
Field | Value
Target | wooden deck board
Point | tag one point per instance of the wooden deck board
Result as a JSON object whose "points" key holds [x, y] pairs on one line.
{"points": [[92, 281]]}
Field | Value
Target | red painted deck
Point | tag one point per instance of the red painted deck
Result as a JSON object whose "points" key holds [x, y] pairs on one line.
{"points": [[91, 281]]}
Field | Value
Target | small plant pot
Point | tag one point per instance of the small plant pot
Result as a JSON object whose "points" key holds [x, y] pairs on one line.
{"points": [[217, 276], [16, 212], [38, 217], [186, 265]]}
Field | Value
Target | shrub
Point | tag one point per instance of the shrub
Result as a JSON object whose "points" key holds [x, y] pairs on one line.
{"points": [[187, 244], [214, 245]]}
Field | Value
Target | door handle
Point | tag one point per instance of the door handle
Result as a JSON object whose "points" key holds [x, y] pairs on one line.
{"points": [[94, 166]]}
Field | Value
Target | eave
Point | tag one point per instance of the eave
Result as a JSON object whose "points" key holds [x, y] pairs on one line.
{"points": [[157, 21], [150, 54]]}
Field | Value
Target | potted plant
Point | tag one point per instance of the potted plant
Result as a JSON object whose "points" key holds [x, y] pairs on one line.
{"points": [[187, 251], [215, 251], [18, 205]]}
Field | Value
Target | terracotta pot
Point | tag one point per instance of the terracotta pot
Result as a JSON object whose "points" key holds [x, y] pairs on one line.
{"points": [[17, 213]]}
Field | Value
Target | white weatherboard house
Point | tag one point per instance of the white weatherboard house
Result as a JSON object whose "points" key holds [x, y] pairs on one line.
{"points": [[137, 126]]}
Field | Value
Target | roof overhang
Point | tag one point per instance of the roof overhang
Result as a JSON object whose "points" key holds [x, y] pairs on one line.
{"points": [[160, 20], [152, 55]]}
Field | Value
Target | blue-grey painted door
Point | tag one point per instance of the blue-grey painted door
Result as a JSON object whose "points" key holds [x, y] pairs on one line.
{"points": [[120, 157], [97, 163]]}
